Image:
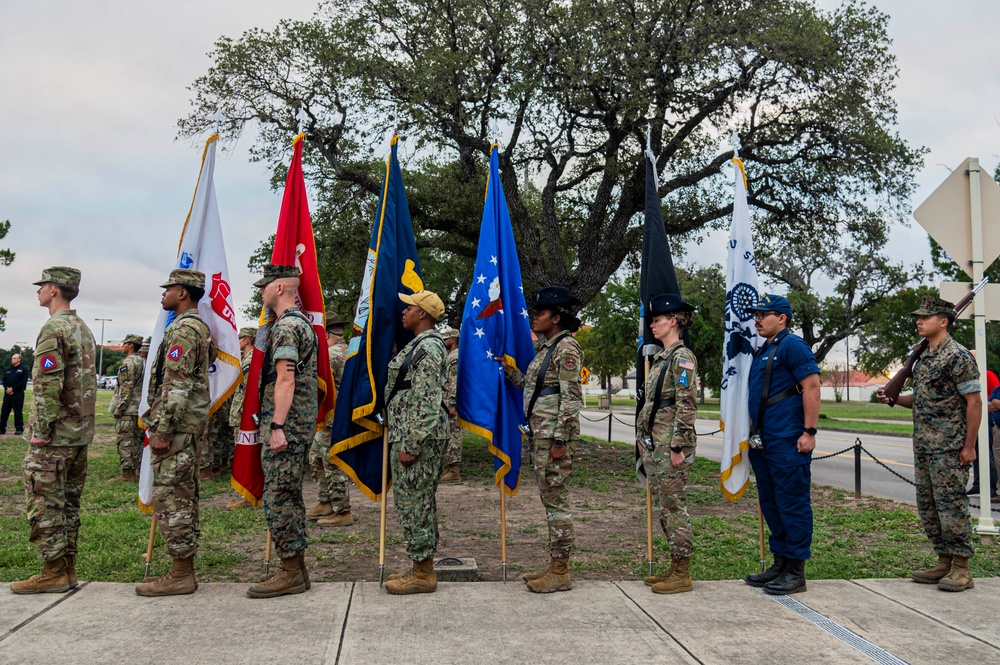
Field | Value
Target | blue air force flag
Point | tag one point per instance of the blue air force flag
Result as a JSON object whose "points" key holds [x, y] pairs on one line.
{"points": [[740, 344], [495, 324]]}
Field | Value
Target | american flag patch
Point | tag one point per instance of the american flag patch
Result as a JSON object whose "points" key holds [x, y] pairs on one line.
{"points": [[686, 364]]}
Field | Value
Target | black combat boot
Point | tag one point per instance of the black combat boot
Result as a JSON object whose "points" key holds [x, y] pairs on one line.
{"points": [[769, 575], [791, 580]]}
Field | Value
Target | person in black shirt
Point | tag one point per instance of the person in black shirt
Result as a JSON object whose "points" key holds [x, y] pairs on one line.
{"points": [[15, 380]]}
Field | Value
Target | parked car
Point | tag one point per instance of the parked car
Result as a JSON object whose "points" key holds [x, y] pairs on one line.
{"points": [[107, 382]]}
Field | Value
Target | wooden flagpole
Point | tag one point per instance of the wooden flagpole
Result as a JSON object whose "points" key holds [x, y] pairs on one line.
{"points": [[649, 504], [503, 533], [149, 547], [267, 554], [381, 528]]}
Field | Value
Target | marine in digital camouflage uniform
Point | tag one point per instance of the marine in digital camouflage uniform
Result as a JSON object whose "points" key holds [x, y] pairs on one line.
{"points": [[334, 507], [289, 406], [417, 427], [128, 392], [554, 420], [668, 449], [947, 408], [64, 393], [179, 402]]}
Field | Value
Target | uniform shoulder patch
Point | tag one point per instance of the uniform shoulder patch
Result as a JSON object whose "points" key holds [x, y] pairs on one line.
{"points": [[686, 364], [175, 352], [49, 363], [682, 380]]}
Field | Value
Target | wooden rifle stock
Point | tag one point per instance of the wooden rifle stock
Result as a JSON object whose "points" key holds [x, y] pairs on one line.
{"points": [[895, 385]]}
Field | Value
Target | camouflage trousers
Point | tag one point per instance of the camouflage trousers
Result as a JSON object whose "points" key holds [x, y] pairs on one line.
{"points": [[175, 495], [414, 490], [217, 443], [332, 482], [942, 503], [53, 482], [284, 506], [453, 454], [552, 477], [669, 488], [129, 436]]}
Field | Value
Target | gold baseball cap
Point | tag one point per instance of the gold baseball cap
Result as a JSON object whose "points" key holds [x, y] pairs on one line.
{"points": [[427, 301]]}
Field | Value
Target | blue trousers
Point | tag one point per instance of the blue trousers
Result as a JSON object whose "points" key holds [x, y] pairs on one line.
{"points": [[783, 479]]}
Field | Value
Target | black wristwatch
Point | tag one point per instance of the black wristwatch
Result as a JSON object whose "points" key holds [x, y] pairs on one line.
{"points": [[811, 431], [676, 449], [275, 425]]}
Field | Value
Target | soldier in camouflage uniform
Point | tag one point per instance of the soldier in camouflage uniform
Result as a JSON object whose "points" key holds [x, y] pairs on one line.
{"points": [[247, 336], [288, 410], [453, 455], [947, 407], [144, 349], [216, 443], [552, 402], [417, 427], [334, 507], [665, 434], [178, 408], [126, 409], [64, 385]]}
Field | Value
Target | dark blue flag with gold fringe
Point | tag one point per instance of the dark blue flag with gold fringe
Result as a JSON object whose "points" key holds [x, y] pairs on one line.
{"points": [[392, 267], [495, 324]]}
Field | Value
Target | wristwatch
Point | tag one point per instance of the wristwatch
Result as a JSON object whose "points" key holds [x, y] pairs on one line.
{"points": [[676, 449], [275, 425], [811, 431]]}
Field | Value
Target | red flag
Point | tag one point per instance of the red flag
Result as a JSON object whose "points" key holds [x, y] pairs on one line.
{"points": [[294, 244]]}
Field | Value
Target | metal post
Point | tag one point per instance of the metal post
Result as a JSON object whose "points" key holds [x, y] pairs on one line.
{"points": [[611, 410], [100, 363], [857, 468]]}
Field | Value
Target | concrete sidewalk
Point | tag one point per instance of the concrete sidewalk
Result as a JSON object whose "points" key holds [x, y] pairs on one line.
{"points": [[836, 621]]}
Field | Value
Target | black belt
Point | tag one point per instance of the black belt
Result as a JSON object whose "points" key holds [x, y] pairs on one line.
{"points": [[784, 394], [551, 390], [668, 402]]}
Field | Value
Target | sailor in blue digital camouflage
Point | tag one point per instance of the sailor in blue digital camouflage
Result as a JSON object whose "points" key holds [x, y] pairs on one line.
{"points": [[417, 427], [334, 506], [553, 397], [247, 335], [126, 408], [453, 455], [64, 393], [947, 408], [288, 411], [665, 434], [178, 409]]}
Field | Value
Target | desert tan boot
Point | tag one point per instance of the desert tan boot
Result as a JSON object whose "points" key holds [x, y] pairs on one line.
{"points": [[935, 574], [290, 578], [179, 580], [452, 474], [321, 509], [342, 519], [421, 579], [557, 579], [52, 579], [679, 581], [959, 578], [662, 577]]}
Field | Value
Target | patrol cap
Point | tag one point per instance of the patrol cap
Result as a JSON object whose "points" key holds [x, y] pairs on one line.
{"points": [[449, 333], [667, 303], [427, 301], [61, 275], [185, 277], [248, 331], [555, 296], [770, 302], [145, 344], [334, 322], [273, 271], [134, 340], [929, 305]]}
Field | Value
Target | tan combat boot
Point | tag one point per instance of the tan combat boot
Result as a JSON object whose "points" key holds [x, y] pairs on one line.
{"points": [[238, 503], [290, 578], [452, 474], [305, 573], [206, 474], [71, 571], [933, 575], [179, 580], [399, 576], [662, 577], [557, 579], [531, 577], [343, 519], [322, 509], [959, 578], [679, 581], [421, 579], [52, 579]]}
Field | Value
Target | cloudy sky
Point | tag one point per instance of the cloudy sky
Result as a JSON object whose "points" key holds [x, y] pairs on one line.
{"points": [[91, 175]]}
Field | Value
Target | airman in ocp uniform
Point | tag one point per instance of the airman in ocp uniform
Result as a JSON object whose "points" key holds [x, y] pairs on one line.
{"points": [[126, 410], [64, 394]]}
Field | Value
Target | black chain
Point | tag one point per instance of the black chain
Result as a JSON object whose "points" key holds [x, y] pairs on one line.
{"points": [[628, 424], [816, 459]]}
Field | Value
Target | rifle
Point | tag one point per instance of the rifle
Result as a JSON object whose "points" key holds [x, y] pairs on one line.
{"points": [[895, 385]]}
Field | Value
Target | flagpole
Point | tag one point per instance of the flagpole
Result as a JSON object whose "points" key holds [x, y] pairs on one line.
{"points": [[149, 547], [760, 524], [649, 506], [503, 533], [267, 555], [381, 529]]}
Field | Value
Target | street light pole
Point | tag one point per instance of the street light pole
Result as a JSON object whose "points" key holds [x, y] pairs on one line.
{"points": [[847, 341], [101, 361]]}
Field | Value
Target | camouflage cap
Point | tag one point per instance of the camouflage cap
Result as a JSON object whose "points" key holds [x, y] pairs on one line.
{"points": [[449, 333], [273, 271], [145, 344], [61, 275], [185, 277], [930, 305], [248, 331], [134, 340], [427, 301]]}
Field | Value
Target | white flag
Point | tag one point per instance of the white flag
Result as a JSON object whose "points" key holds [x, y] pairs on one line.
{"points": [[740, 343], [201, 248]]}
